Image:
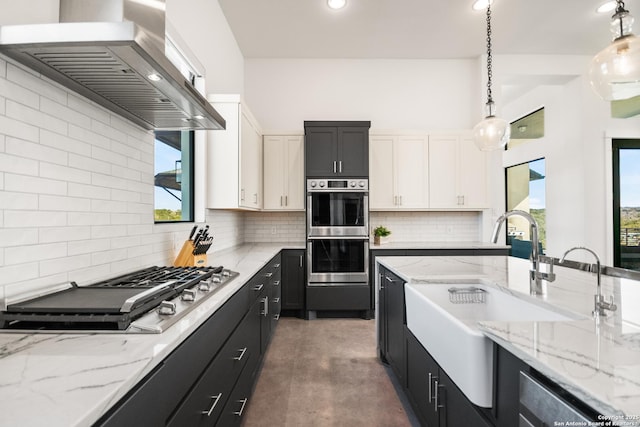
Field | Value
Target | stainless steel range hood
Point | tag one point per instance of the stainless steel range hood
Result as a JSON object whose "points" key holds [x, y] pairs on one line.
{"points": [[112, 52]]}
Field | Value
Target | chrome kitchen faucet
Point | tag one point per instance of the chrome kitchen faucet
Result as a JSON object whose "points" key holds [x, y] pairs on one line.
{"points": [[600, 305], [536, 277]]}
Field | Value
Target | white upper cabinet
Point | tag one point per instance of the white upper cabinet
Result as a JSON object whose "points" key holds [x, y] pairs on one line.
{"points": [[234, 157], [283, 173], [398, 172], [457, 173]]}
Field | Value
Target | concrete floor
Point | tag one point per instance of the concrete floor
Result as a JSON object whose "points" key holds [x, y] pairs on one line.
{"points": [[324, 372]]}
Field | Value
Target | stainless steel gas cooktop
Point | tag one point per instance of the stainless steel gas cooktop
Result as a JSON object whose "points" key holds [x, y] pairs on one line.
{"points": [[145, 301]]}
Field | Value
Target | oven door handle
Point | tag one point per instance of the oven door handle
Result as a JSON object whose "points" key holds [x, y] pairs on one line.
{"points": [[341, 237], [130, 302]]}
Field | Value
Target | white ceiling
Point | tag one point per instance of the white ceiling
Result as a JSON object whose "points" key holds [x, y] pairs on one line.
{"points": [[422, 29]]}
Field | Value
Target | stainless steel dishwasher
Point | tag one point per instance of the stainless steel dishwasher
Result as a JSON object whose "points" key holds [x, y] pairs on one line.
{"points": [[540, 406]]}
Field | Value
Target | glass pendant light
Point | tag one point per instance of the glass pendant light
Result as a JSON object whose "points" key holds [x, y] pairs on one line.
{"points": [[615, 71], [492, 133]]}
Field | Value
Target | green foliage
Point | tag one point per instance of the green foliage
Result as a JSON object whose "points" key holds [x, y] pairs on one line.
{"points": [[629, 217], [381, 231], [168, 215]]}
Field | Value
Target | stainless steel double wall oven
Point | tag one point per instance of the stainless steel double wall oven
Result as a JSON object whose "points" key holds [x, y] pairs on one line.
{"points": [[338, 232]]}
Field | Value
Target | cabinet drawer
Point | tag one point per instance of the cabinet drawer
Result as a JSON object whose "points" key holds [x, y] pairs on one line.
{"points": [[343, 297], [238, 401], [205, 402]]}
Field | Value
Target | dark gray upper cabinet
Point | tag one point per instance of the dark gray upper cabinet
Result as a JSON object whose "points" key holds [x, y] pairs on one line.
{"points": [[337, 149]]}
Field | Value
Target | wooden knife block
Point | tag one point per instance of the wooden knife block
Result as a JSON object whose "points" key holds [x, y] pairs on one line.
{"points": [[186, 258]]}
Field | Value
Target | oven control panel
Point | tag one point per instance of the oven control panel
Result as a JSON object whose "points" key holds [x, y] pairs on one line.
{"points": [[334, 185]]}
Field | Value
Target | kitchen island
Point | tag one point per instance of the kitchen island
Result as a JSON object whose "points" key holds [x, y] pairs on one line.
{"points": [[597, 362], [72, 379]]}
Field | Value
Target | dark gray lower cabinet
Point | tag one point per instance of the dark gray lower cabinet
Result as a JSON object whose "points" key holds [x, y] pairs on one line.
{"points": [[293, 280], [507, 367], [392, 322], [209, 378], [435, 398]]}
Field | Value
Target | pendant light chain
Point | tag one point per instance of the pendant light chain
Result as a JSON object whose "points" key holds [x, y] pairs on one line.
{"points": [[620, 12], [489, 57]]}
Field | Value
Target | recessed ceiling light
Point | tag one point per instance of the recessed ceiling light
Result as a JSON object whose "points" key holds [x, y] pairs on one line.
{"points": [[606, 7], [154, 77], [336, 4], [481, 4]]}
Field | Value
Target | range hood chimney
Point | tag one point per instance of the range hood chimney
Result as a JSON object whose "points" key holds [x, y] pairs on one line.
{"points": [[113, 52]]}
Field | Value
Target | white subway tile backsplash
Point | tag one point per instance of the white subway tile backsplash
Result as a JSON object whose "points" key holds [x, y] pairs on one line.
{"points": [[429, 226], [17, 164], [16, 219], [63, 173], [140, 208], [20, 201], [63, 203], [110, 181], [129, 218], [106, 130], [3, 68], [32, 253], [89, 246], [125, 242], [126, 196], [31, 184], [102, 231], [89, 191], [18, 272], [88, 218], [85, 135], [70, 234], [110, 256], [18, 129], [64, 264], [32, 81], [36, 151], [88, 164], [109, 206], [105, 155], [61, 111], [96, 273], [29, 115], [126, 173], [129, 151], [65, 143], [146, 230], [285, 227], [11, 237], [88, 108], [13, 91]]}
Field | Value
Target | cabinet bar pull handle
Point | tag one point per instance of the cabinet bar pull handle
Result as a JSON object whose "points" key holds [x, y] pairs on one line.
{"points": [[395, 200], [255, 197], [216, 399], [268, 274], [258, 288], [430, 381], [244, 402], [265, 310], [276, 300], [300, 260], [276, 283], [400, 200], [280, 200], [242, 352], [286, 200], [340, 168], [334, 166], [436, 406], [276, 265], [389, 279], [277, 316]]}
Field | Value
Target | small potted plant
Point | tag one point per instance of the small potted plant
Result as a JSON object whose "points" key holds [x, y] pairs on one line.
{"points": [[378, 233]]}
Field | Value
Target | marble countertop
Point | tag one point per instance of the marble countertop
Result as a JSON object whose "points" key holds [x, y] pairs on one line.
{"points": [[597, 361], [73, 379], [438, 245]]}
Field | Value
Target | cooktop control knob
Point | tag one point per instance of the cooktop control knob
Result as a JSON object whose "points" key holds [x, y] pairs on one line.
{"points": [[216, 279], [321, 184], [167, 308], [352, 184], [313, 184], [188, 295], [226, 273], [361, 184], [204, 286]]}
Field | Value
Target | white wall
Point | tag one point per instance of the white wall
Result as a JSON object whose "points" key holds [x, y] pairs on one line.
{"points": [[393, 94], [204, 28]]}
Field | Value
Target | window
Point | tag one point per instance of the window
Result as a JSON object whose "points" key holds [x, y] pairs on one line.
{"points": [[173, 169], [527, 128], [526, 192], [626, 203]]}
